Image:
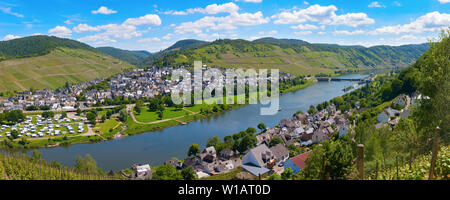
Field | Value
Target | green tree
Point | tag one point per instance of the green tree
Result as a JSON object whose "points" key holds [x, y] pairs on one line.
{"points": [[188, 173], [275, 141], [48, 114], [194, 149], [262, 127], [36, 156], [287, 174], [79, 112], [213, 142], [251, 130], [434, 83], [92, 117], [86, 165], [123, 115], [248, 142], [167, 172], [312, 110]]}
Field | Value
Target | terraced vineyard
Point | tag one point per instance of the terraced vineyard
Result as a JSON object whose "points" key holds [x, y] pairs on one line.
{"points": [[20, 167], [56, 68]]}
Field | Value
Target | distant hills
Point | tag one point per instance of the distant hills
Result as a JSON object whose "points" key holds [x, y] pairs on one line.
{"points": [[133, 57], [290, 55], [39, 62], [48, 62]]}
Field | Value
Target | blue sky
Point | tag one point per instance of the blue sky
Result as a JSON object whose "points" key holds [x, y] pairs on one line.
{"points": [[154, 25]]}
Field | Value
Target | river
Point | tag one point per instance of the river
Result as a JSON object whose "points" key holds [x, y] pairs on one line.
{"points": [[156, 147]]}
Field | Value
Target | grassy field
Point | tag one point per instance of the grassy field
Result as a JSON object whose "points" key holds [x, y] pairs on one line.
{"points": [[55, 69], [146, 116]]}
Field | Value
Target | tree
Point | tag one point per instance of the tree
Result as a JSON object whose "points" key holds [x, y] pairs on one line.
{"points": [[86, 165], [312, 110], [123, 115], [188, 173], [79, 112], [160, 114], [275, 141], [194, 149], [248, 142], [167, 172], [64, 114], [103, 118], [251, 130], [36, 156], [337, 157], [14, 134], [287, 174], [213, 142], [262, 127], [48, 114], [92, 117], [434, 67], [274, 177]]}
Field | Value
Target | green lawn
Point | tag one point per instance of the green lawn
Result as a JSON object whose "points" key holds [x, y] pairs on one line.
{"points": [[169, 113]]}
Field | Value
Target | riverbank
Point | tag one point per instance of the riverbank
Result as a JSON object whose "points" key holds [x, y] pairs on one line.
{"points": [[103, 132]]}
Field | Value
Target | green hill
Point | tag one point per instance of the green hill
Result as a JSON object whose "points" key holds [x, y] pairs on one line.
{"points": [[294, 56], [133, 57], [178, 46], [40, 62], [37, 46]]}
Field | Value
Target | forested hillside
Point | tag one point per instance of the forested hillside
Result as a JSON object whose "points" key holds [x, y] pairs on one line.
{"points": [[294, 56], [133, 57], [37, 46], [402, 151]]}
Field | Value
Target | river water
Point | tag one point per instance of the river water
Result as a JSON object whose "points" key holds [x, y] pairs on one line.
{"points": [[156, 147]]}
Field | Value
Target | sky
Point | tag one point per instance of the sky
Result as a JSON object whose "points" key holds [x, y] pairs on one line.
{"points": [[155, 25]]}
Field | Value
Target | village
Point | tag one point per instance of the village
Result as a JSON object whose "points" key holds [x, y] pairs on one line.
{"points": [[135, 84], [300, 131]]}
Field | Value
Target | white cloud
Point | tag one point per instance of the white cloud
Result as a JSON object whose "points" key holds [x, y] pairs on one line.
{"points": [[148, 40], [84, 28], [60, 31], [305, 27], [229, 22], [150, 20], [168, 36], [345, 32], [104, 10], [251, 1], [11, 37], [210, 9], [396, 3], [352, 20], [9, 12], [375, 4], [444, 1], [433, 21], [127, 30], [269, 33], [322, 15], [68, 22]]}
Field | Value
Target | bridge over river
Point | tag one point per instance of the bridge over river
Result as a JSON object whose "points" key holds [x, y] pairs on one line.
{"points": [[359, 80]]}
